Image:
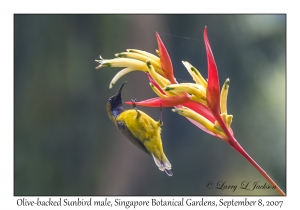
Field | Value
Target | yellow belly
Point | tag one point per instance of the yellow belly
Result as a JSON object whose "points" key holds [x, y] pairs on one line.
{"points": [[145, 129]]}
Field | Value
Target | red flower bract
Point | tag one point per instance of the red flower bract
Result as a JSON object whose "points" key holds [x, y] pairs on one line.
{"points": [[153, 82], [165, 60], [164, 102], [213, 86], [200, 109]]}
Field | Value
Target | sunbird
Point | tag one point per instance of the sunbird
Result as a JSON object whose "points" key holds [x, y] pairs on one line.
{"points": [[140, 129]]}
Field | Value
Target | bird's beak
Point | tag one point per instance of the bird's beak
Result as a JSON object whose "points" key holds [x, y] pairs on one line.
{"points": [[118, 96], [120, 90]]}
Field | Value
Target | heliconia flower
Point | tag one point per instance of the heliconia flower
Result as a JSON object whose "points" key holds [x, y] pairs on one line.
{"points": [[200, 102]]}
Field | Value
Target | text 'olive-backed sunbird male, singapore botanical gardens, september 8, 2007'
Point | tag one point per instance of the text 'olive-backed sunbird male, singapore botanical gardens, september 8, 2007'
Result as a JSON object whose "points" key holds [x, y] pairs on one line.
{"points": [[140, 129]]}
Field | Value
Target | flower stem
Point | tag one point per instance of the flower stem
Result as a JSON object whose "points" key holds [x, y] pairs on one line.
{"points": [[240, 150], [237, 147]]}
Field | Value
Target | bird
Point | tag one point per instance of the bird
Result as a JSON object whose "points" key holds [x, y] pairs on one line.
{"points": [[143, 131]]}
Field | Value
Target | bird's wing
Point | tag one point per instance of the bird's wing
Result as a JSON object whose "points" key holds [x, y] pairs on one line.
{"points": [[125, 131]]}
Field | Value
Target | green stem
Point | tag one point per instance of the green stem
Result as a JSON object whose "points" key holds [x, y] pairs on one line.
{"points": [[237, 147]]}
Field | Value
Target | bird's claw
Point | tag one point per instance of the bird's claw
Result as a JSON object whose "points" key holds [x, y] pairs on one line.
{"points": [[134, 105]]}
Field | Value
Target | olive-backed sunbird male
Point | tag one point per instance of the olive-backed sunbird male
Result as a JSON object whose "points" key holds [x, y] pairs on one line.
{"points": [[140, 129]]}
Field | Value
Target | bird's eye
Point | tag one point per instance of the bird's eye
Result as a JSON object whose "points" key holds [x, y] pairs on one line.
{"points": [[109, 100]]}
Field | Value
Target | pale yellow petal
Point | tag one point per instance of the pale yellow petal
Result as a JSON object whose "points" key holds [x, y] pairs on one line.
{"points": [[122, 62], [198, 91], [158, 93], [158, 53], [161, 81], [154, 57], [229, 120], [223, 115], [223, 96], [195, 98], [140, 57], [120, 74], [186, 112], [197, 77]]}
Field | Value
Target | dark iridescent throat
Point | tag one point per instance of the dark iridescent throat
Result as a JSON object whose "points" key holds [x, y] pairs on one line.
{"points": [[117, 107], [117, 111]]}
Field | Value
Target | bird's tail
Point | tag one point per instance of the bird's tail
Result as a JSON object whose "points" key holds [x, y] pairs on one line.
{"points": [[163, 165]]}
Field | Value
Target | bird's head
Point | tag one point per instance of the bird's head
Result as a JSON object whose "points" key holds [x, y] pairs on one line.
{"points": [[114, 104]]}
